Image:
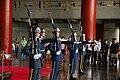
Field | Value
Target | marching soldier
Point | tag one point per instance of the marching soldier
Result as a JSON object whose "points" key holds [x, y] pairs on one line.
{"points": [[73, 48], [55, 49], [42, 49], [35, 63], [82, 52]]}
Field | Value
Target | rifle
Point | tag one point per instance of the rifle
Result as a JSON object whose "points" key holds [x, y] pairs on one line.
{"points": [[81, 32], [54, 29], [71, 28], [32, 30], [53, 24], [72, 39]]}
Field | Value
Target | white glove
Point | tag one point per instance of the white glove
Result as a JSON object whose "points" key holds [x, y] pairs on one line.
{"points": [[37, 56], [76, 51], [58, 52]]}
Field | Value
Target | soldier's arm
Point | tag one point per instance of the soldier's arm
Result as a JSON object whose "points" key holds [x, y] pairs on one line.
{"points": [[47, 40], [70, 48], [51, 48], [26, 50]]}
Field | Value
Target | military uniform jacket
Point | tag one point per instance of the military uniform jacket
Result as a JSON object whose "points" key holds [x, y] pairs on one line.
{"points": [[42, 48], [72, 48], [33, 63], [56, 57]]}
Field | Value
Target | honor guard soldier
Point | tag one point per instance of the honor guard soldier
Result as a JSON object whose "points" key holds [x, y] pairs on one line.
{"points": [[56, 55], [82, 52], [42, 49], [73, 48], [35, 63]]}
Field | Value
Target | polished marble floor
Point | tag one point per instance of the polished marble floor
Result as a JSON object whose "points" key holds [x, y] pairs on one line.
{"points": [[91, 72]]}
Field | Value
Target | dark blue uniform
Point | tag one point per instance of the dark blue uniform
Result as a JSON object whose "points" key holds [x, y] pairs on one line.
{"points": [[42, 49], [73, 58], [56, 58], [34, 64], [82, 53]]}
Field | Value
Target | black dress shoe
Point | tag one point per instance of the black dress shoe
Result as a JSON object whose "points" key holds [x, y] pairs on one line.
{"points": [[81, 72], [72, 78]]}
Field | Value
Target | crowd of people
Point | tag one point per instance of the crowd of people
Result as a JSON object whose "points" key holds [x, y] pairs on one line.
{"points": [[103, 52], [16, 45], [80, 52]]}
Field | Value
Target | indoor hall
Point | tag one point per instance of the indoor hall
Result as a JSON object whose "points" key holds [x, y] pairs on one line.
{"points": [[20, 71], [91, 20]]}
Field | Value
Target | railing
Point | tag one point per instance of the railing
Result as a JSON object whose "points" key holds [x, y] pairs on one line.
{"points": [[4, 74]]}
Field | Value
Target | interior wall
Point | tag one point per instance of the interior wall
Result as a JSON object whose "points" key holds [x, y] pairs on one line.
{"points": [[64, 29], [107, 30], [99, 31], [111, 31], [19, 30]]}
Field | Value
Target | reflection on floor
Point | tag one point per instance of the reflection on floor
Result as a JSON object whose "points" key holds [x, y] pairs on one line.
{"points": [[91, 72]]}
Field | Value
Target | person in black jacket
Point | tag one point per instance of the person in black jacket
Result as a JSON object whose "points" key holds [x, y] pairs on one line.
{"points": [[104, 48], [114, 52], [35, 63]]}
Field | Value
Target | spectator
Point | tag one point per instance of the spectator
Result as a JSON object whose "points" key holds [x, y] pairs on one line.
{"points": [[104, 48], [63, 46], [114, 52], [94, 52], [16, 46], [88, 50], [99, 54], [23, 44], [13, 47]]}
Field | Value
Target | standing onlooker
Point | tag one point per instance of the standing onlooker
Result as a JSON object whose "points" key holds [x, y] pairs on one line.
{"points": [[23, 44], [16, 46], [94, 52], [114, 51], [104, 48], [99, 54], [88, 50], [13, 47], [63, 46]]}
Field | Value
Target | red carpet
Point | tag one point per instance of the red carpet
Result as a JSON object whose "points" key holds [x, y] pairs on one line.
{"points": [[21, 73]]}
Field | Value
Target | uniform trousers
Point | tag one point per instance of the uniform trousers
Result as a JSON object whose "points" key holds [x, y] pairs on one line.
{"points": [[74, 63], [55, 70], [34, 74], [82, 60]]}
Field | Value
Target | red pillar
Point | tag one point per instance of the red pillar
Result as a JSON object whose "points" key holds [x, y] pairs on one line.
{"points": [[6, 26], [88, 18]]}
